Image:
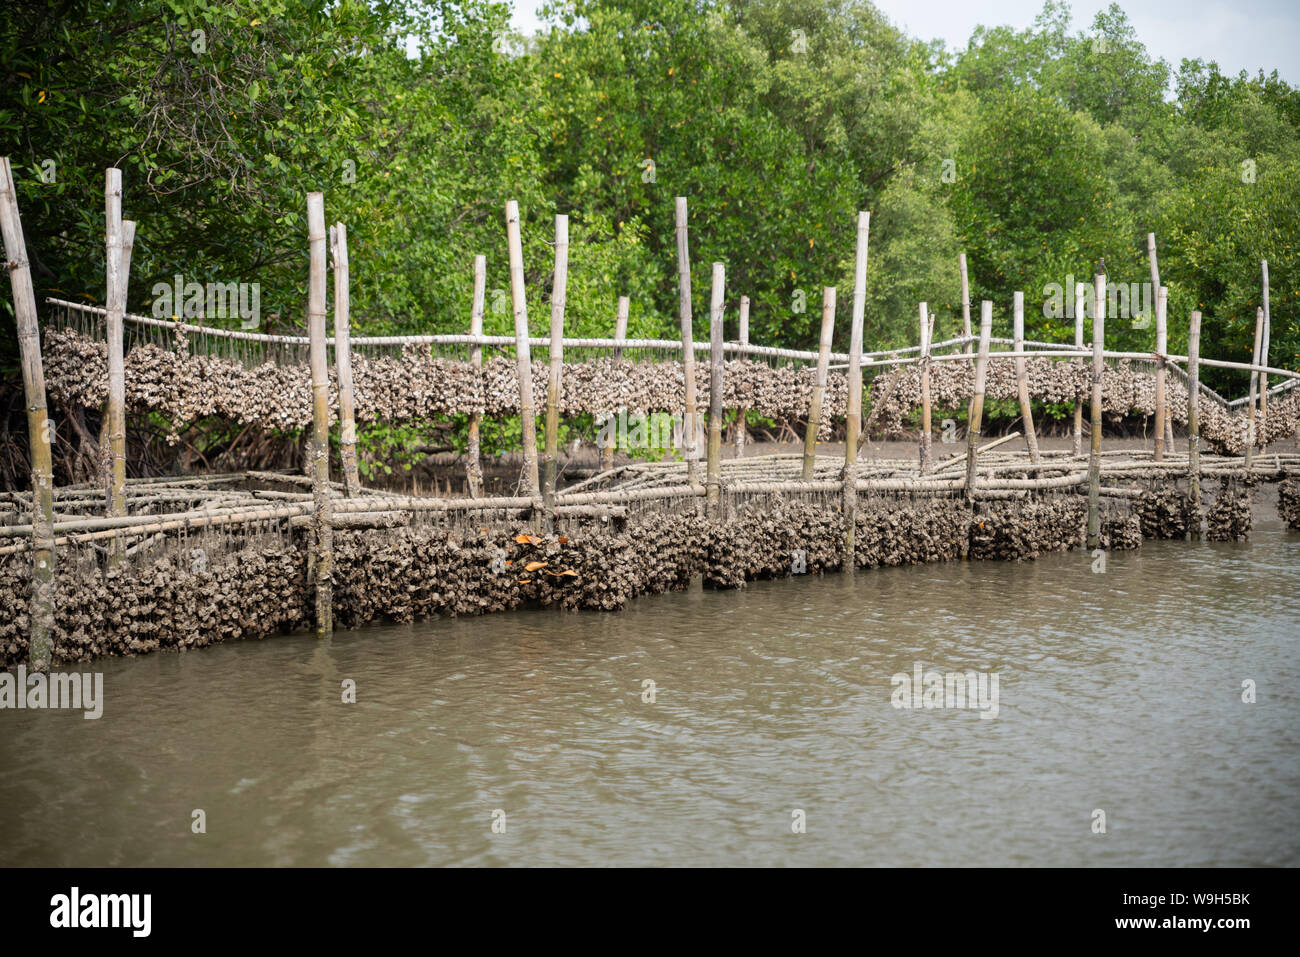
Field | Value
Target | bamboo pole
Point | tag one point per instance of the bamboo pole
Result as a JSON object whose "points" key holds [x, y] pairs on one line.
{"points": [[926, 463], [1162, 347], [1263, 360], [1098, 364], [965, 302], [688, 342], [853, 411], [713, 472], [1194, 424], [40, 430], [1079, 305], [473, 467], [343, 361], [322, 523], [556, 354], [819, 383], [741, 413], [620, 334], [1155, 285], [1254, 387], [975, 415], [116, 305], [1022, 375], [105, 431], [523, 360]]}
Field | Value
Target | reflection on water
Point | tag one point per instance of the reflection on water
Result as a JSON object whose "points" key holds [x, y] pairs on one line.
{"points": [[1118, 691]]}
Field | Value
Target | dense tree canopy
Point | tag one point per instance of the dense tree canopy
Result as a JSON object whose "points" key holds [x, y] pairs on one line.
{"points": [[1038, 152]]}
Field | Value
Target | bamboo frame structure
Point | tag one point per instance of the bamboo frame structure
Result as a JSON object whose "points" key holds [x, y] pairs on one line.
{"points": [[853, 415], [1098, 365], [523, 360], [713, 471], [551, 450], [975, 415], [819, 383], [473, 466], [1194, 424], [322, 515], [690, 416], [40, 429], [1162, 346], [1022, 379], [343, 361]]}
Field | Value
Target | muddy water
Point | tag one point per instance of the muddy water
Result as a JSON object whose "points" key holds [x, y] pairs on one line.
{"points": [[1118, 691]]}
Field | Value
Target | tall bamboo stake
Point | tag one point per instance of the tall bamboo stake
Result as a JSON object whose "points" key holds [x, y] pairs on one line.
{"points": [[558, 289], [926, 463], [853, 412], [713, 472], [105, 431], [965, 302], [1022, 375], [343, 361], [688, 350], [819, 383], [322, 511], [473, 467], [40, 430], [1155, 286], [1079, 301], [1194, 423], [1254, 388], [1263, 360], [116, 307], [523, 358], [1098, 365], [975, 416], [1162, 347], [743, 336], [620, 334]]}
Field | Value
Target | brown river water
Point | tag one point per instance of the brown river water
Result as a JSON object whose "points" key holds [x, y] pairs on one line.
{"points": [[1118, 691]]}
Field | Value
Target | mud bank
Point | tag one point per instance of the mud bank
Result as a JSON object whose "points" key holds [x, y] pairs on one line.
{"points": [[211, 589]]}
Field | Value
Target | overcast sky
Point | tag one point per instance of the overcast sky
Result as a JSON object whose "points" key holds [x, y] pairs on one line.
{"points": [[1242, 34]]}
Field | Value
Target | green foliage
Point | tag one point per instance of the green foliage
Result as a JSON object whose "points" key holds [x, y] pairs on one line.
{"points": [[1037, 151]]}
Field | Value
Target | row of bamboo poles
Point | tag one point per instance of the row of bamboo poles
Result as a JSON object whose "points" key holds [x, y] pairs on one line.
{"points": [[539, 493]]}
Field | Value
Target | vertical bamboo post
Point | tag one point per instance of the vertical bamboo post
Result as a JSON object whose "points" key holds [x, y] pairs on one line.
{"points": [[1155, 291], [1263, 361], [688, 344], [1194, 423], [713, 472], [926, 464], [523, 356], [1162, 348], [322, 511], [343, 361], [620, 326], [113, 321], [975, 416], [105, 431], [1254, 387], [558, 289], [819, 384], [853, 416], [741, 413], [1098, 364], [40, 430], [1079, 305], [1022, 375], [473, 467], [620, 335], [965, 302]]}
